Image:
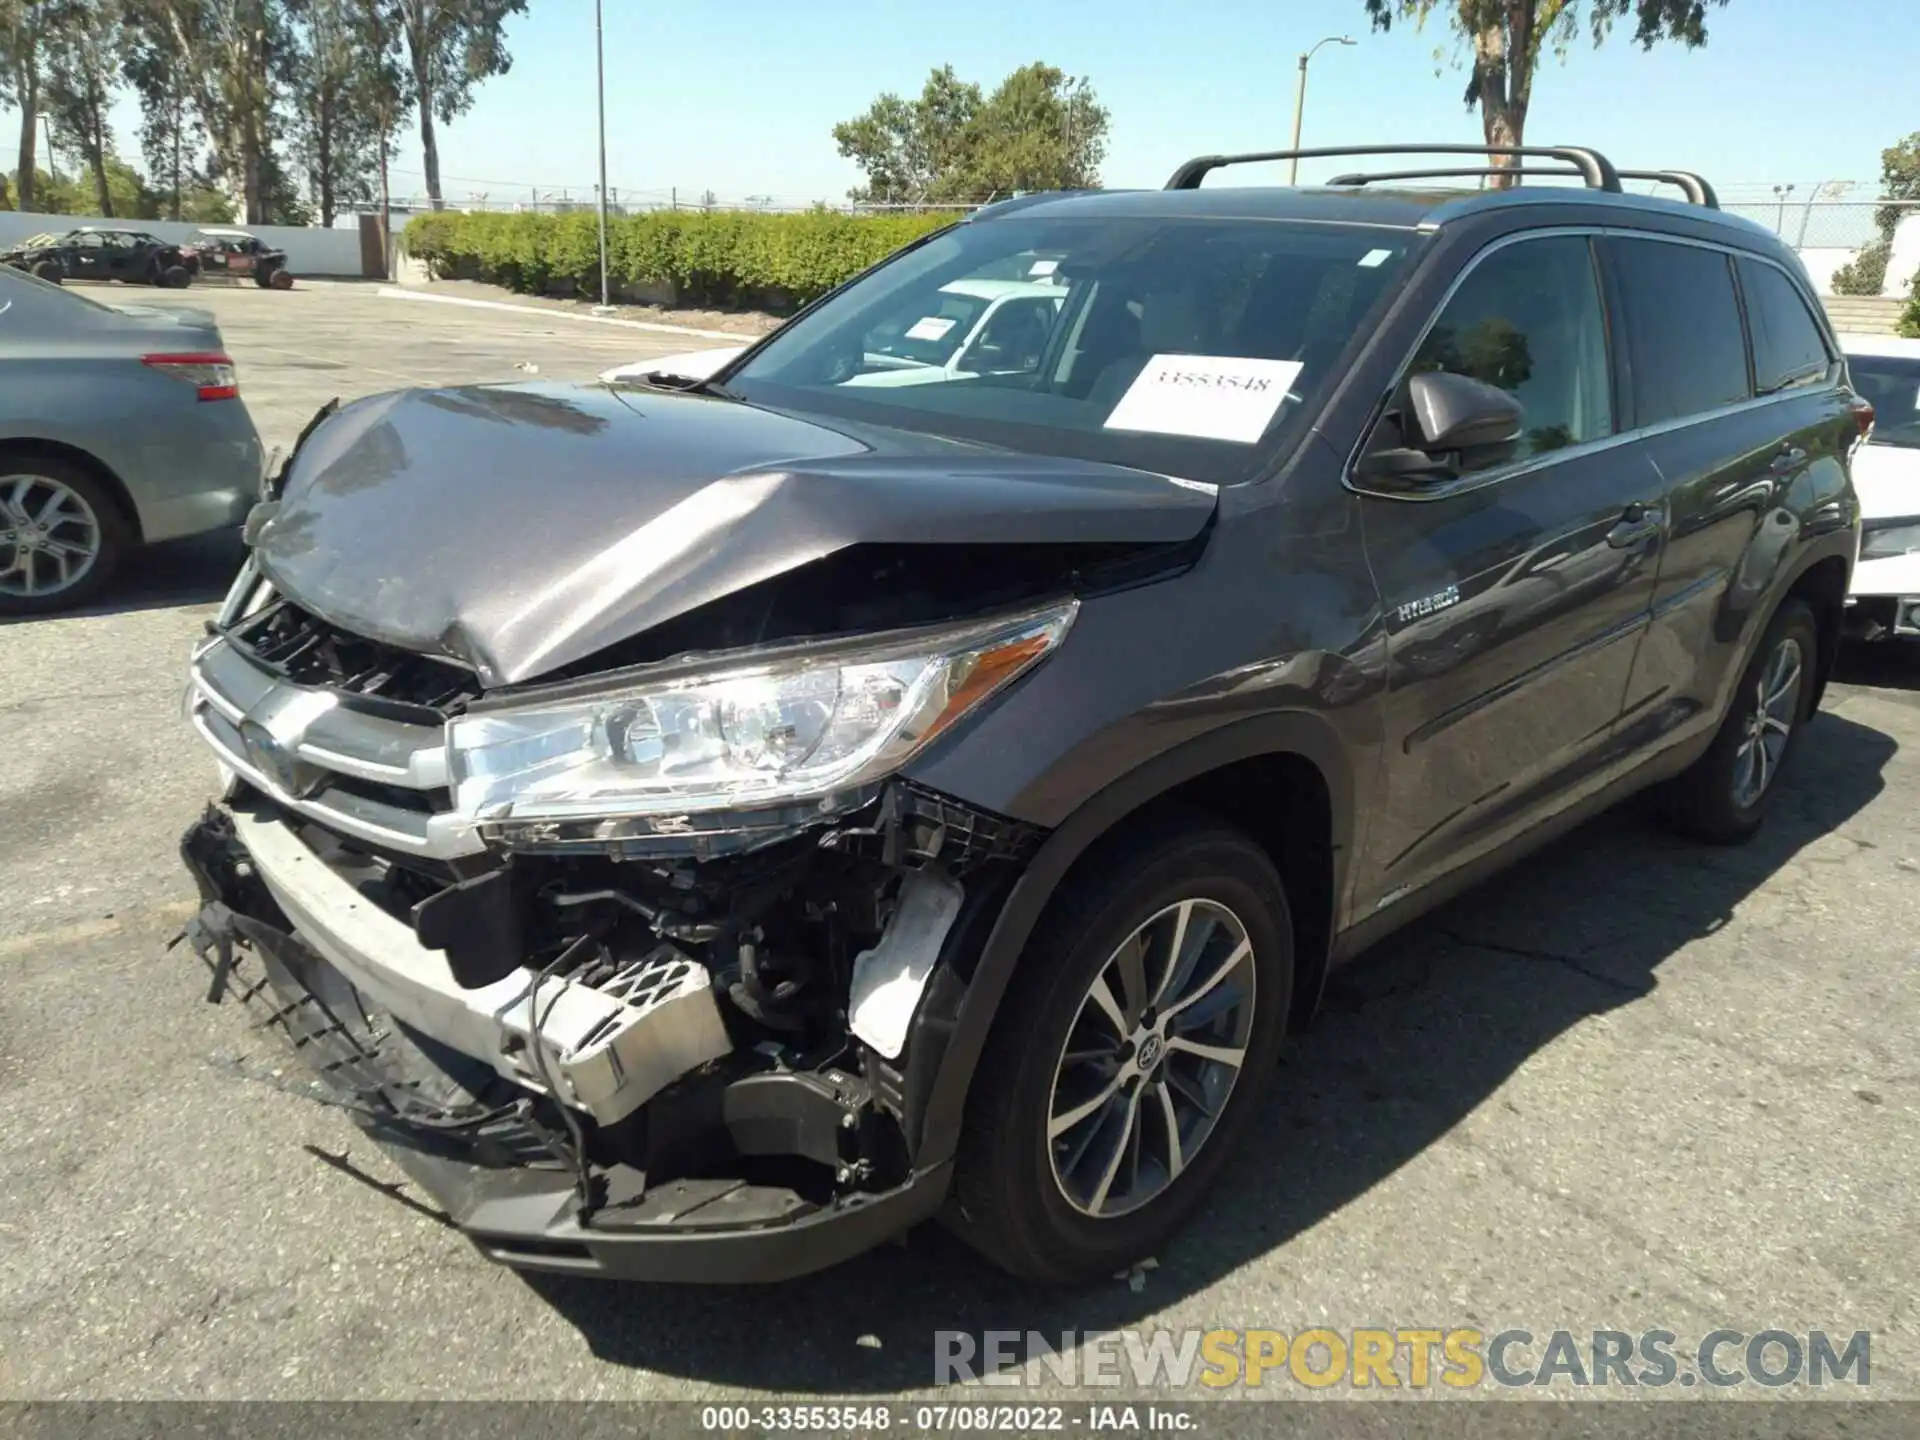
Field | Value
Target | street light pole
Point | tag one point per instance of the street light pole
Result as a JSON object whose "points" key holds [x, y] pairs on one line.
{"points": [[600, 76], [1300, 100]]}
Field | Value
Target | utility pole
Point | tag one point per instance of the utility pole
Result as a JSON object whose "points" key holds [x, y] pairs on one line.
{"points": [[600, 74], [1300, 100], [1780, 193]]}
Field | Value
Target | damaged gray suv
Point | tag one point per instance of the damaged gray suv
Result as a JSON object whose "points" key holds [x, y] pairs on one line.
{"points": [[705, 826]]}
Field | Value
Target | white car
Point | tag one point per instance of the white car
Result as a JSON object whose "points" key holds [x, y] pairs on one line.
{"points": [[979, 327], [1886, 472]]}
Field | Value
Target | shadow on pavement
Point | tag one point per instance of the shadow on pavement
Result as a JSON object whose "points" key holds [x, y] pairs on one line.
{"points": [[1412, 1038], [1881, 664], [194, 571]]}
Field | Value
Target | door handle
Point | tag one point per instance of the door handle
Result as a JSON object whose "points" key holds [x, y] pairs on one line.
{"points": [[1788, 460], [1638, 523]]}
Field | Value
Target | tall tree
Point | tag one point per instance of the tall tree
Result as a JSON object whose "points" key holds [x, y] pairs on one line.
{"points": [[335, 131], [230, 58], [1037, 131], [26, 25], [1501, 41], [84, 55], [387, 90], [451, 45], [170, 136]]}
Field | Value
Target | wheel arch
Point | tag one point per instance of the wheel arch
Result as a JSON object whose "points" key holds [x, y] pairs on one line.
{"points": [[1285, 779], [1823, 585], [15, 448]]}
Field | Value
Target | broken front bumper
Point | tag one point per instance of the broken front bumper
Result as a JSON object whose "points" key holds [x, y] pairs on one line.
{"points": [[432, 1073]]}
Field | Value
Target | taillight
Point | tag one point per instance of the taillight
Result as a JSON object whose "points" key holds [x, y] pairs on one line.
{"points": [[211, 374], [1862, 415]]}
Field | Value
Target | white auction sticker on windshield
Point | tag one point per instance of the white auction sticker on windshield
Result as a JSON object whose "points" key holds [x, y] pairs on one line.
{"points": [[1212, 397], [930, 327]]}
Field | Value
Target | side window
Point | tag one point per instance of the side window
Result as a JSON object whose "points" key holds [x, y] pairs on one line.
{"points": [[1684, 341], [1788, 348], [1528, 319]]}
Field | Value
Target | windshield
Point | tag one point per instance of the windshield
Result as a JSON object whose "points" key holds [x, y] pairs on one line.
{"points": [[1185, 346], [1891, 385]]}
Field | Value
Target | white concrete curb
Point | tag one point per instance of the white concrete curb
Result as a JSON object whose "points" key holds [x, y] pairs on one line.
{"points": [[390, 292]]}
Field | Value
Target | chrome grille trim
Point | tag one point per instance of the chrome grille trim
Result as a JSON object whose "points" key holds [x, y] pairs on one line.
{"points": [[320, 742]]}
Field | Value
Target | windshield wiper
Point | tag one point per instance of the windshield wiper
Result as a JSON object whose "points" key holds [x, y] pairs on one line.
{"points": [[685, 384]]}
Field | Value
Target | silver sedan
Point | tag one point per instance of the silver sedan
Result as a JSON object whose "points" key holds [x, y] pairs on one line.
{"points": [[119, 427]]}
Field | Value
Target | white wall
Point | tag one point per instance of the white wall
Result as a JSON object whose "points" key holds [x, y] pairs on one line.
{"points": [[1821, 262], [1905, 260], [310, 250]]}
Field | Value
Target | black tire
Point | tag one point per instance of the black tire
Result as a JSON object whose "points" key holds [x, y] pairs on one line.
{"points": [[176, 277], [116, 536], [1705, 801], [279, 279], [1007, 1202], [50, 271]]}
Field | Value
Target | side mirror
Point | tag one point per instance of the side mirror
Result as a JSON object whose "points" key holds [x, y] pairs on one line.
{"points": [[1444, 417], [1456, 412]]}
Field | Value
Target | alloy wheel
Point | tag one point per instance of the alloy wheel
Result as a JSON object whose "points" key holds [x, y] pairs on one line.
{"points": [[1776, 708], [49, 536], [1151, 1058]]}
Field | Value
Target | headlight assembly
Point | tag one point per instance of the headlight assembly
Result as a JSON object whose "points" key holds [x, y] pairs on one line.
{"points": [[807, 727], [1891, 541]]}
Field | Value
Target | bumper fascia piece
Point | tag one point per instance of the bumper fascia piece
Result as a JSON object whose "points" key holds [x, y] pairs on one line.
{"points": [[285, 916], [687, 1232]]}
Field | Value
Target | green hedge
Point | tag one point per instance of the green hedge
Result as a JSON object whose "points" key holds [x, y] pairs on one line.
{"points": [[1909, 324], [721, 258]]}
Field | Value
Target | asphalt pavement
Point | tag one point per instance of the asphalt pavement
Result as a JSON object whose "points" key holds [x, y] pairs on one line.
{"points": [[1634, 1084]]}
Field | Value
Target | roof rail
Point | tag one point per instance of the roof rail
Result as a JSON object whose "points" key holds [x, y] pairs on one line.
{"points": [[1695, 188], [1590, 165]]}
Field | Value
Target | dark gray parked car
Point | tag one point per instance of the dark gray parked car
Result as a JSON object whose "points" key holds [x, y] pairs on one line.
{"points": [[706, 826], [118, 427]]}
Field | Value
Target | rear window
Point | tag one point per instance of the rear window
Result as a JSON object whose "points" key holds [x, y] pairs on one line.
{"points": [[1685, 345], [1182, 345], [1892, 385], [1788, 348]]}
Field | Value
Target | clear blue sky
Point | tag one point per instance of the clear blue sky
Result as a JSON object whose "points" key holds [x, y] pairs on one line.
{"points": [[739, 96]]}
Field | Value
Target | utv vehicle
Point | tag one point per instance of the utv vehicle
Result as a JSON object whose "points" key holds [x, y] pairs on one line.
{"points": [[705, 826], [236, 256], [90, 253]]}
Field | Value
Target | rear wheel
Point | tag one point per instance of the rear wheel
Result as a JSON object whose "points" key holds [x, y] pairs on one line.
{"points": [[1722, 797], [61, 536], [1129, 1054]]}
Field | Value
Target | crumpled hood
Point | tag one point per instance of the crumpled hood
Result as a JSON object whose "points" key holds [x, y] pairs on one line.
{"points": [[520, 528]]}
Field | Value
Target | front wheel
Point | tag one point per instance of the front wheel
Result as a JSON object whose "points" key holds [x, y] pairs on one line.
{"points": [[1129, 1053], [175, 277], [49, 271], [1722, 797]]}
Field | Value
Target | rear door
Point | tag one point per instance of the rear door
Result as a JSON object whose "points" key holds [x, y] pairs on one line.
{"points": [[87, 256], [1515, 595], [1743, 436]]}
